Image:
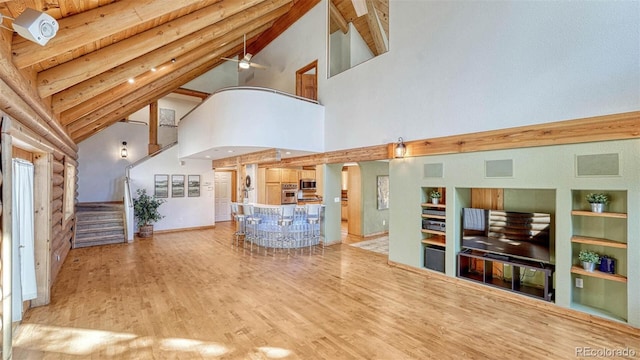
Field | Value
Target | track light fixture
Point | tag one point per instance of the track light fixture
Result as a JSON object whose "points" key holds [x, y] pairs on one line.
{"points": [[34, 25]]}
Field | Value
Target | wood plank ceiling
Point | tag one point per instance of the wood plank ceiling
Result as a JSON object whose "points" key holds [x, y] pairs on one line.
{"points": [[82, 73]]}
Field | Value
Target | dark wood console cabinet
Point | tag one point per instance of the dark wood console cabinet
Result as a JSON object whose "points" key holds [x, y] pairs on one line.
{"points": [[479, 267]]}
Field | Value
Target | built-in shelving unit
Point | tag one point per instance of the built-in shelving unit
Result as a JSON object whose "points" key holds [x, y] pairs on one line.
{"points": [[433, 229], [597, 292]]}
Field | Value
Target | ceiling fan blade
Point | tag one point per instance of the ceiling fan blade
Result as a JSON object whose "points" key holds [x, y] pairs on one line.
{"points": [[224, 58], [257, 66], [247, 57]]}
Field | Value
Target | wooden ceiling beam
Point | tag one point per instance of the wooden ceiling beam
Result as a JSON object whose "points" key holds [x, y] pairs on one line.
{"points": [[258, 157], [147, 94], [374, 28], [92, 26], [93, 87], [338, 18], [299, 8], [133, 101], [73, 72], [194, 93], [146, 84]]}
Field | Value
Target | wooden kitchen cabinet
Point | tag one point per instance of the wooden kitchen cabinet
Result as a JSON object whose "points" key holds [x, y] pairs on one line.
{"points": [[307, 174], [273, 193], [272, 175], [289, 176]]}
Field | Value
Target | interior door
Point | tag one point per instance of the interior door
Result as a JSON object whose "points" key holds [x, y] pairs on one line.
{"points": [[222, 184], [307, 81]]}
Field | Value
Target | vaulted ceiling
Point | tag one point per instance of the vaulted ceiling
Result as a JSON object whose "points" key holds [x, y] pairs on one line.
{"points": [[83, 73]]}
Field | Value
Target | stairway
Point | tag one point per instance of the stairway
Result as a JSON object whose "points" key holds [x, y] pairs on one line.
{"points": [[99, 224]]}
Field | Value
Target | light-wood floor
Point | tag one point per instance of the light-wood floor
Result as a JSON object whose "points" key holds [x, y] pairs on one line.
{"points": [[190, 295]]}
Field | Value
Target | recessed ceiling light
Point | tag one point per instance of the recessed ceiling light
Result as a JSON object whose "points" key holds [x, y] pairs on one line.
{"points": [[207, 156], [229, 151], [288, 152], [153, 69], [131, 80]]}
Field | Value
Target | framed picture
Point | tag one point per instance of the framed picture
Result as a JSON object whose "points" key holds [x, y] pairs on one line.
{"points": [[177, 185], [194, 185], [167, 117], [161, 186], [383, 192]]}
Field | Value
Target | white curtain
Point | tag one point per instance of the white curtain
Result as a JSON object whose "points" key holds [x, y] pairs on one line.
{"points": [[24, 269]]}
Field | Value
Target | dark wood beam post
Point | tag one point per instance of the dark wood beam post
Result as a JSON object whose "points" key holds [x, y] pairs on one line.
{"points": [[153, 128]]}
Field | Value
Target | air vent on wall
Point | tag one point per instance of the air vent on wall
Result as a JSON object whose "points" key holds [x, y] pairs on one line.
{"points": [[498, 168], [435, 170], [598, 165]]}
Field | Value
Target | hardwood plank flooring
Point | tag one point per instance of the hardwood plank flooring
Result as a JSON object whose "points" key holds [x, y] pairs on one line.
{"points": [[191, 295]]}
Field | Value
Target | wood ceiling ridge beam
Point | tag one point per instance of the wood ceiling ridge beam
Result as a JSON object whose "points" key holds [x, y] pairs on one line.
{"points": [[92, 26], [298, 9], [150, 94], [119, 107], [65, 75], [209, 36]]}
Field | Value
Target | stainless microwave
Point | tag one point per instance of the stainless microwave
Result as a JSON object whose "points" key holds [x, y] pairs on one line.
{"points": [[307, 184]]}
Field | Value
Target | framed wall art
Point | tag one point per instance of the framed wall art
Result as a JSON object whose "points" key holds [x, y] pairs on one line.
{"points": [[177, 185], [161, 186], [194, 185], [383, 192]]}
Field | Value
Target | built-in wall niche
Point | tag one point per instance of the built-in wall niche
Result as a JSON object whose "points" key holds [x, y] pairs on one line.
{"points": [[508, 203], [358, 31]]}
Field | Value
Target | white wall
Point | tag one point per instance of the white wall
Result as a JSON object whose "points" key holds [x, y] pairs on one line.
{"points": [[224, 75], [101, 170], [462, 67], [182, 212], [304, 42]]}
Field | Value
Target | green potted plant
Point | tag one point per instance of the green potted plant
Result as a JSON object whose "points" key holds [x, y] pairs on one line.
{"points": [[597, 201], [145, 210], [589, 259], [435, 196]]}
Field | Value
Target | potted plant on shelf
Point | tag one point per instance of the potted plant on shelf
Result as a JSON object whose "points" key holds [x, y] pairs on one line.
{"points": [[145, 210], [597, 201], [589, 259], [435, 196]]}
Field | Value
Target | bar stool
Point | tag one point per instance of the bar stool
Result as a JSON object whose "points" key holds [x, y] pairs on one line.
{"points": [[313, 221], [252, 223], [285, 221], [240, 223]]}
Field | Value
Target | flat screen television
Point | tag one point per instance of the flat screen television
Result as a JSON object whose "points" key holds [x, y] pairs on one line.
{"points": [[507, 233]]}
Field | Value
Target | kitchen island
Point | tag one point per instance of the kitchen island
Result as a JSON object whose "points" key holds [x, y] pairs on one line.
{"points": [[283, 226]]}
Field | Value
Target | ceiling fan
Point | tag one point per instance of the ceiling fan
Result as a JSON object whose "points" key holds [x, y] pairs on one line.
{"points": [[245, 62]]}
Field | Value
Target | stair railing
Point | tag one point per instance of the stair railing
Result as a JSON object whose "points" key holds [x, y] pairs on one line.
{"points": [[128, 210]]}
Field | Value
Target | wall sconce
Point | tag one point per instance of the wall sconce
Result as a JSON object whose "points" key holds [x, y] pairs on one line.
{"points": [[123, 152], [401, 149]]}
